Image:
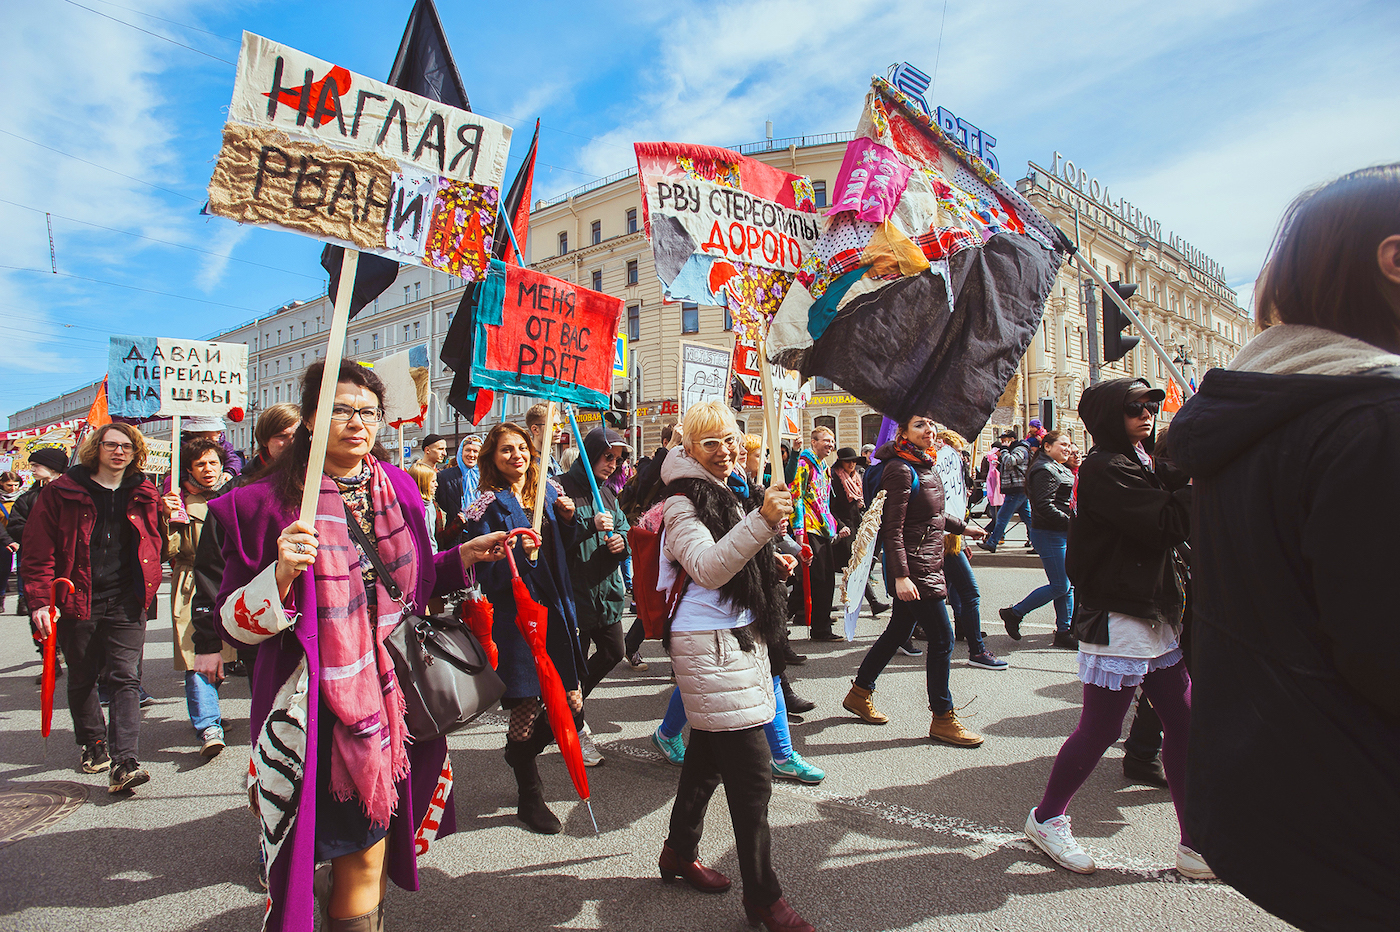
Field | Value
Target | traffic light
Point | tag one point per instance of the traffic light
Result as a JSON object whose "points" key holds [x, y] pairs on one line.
{"points": [[1115, 345], [620, 417], [1047, 413]]}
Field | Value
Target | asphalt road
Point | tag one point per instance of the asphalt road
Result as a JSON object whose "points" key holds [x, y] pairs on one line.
{"points": [[901, 835]]}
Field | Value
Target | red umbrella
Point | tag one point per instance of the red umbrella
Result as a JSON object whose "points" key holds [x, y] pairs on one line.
{"points": [[532, 619], [51, 658], [478, 616]]}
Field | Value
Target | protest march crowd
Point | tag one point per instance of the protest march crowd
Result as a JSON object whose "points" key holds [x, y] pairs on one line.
{"points": [[1195, 570], [1201, 548]]}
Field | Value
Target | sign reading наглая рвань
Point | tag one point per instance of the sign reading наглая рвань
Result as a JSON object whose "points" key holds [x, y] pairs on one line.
{"points": [[318, 150]]}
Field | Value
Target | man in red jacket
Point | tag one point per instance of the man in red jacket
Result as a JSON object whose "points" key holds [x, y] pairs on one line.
{"points": [[99, 526]]}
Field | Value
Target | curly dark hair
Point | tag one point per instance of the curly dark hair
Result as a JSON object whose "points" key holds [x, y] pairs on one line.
{"points": [[193, 451]]}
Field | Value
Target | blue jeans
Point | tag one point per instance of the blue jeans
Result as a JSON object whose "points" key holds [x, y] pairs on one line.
{"points": [[965, 598], [932, 613], [674, 720], [1016, 503], [202, 699], [1050, 545], [777, 732]]}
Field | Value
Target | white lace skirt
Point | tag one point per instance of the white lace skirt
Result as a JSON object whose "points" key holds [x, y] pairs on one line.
{"points": [[1122, 672]]}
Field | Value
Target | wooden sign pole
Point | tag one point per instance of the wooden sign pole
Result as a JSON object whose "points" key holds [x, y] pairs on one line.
{"points": [[546, 451], [772, 418], [335, 351]]}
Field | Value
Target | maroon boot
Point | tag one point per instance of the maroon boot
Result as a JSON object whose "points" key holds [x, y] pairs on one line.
{"points": [[696, 874], [776, 917]]}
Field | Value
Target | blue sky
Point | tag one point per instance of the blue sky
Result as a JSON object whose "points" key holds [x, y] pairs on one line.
{"points": [[1210, 116]]}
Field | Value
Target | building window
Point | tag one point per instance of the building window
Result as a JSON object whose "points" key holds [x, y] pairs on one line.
{"points": [[595, 232], [264, 370], [255, 343], [728, 318], [634, 322], [417, 290], [1083, 346], [303, 328], [405, 333], [597, 279], [416, 328], [450, 315], [279, 337], [374, 340], [278, 366], [631, 220], [303, 360], [631, 271], [563, 243], [823, 384], [376, 306], [405, 294], [276, 393], [355, 346], [264, 398], [870, 427], [819, 190], [690, 317]]}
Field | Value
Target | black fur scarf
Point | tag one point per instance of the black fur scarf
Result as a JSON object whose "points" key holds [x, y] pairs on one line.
{"points": [[757, 587]]}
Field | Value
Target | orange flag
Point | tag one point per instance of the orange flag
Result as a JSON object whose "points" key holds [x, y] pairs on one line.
{"points": [[97, 415], [1173, 401]]}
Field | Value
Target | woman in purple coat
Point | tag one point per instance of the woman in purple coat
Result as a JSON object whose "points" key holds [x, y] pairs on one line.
{"points": [[334, 776]]}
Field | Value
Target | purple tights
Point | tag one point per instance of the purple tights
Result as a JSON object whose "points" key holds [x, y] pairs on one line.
{"points": [[1101, 724]]}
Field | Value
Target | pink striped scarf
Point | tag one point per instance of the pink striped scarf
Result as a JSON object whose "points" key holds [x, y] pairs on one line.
{"points": [[369, 745]]}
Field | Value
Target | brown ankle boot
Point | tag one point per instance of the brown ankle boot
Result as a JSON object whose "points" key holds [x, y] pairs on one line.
{"points": [[947, 728], [859, 703], [776, 917]]}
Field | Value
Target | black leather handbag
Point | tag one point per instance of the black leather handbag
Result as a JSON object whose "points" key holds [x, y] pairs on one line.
{"points": [[443, 672]]}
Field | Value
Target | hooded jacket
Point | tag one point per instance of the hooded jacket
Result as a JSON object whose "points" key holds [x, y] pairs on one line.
{"points": [[913, 523], [599, 592], [1293, 773], [1127, 521], [58, 540]]}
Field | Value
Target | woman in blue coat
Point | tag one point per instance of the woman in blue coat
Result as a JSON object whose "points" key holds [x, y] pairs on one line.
{"points": [[509, 485]]}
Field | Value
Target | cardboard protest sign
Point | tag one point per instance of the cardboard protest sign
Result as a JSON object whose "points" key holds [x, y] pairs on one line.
{"points": [[725, 229], [950, 473], [535, 334], [158, 456], [405, 376], [704, 374], [318, 150], [150, 376]]}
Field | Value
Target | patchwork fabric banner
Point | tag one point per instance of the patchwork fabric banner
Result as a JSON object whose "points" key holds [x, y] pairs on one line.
{"points": [[535, 334], [725, 229], [929, 281], [318, 150]]}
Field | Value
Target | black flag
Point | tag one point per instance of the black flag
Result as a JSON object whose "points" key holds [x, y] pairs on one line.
{"points": [[424, 66]]}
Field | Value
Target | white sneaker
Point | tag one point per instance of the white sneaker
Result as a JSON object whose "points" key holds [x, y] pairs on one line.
{"points": [[592, 757], [1054, 838], [1192, 865], [213, 742]]}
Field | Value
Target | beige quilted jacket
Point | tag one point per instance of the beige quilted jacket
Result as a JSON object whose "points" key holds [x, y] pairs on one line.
{"points": [[723, 687]]}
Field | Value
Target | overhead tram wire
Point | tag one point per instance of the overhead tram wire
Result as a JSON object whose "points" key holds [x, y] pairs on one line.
{"points": [[164, 242], [149, 33], [170, 21], [98, 281], [35, 142]]}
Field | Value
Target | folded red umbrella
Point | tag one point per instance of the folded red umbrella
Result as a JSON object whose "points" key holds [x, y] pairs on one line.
{"points": [[478, 616], [533, 620], [51, 658]]}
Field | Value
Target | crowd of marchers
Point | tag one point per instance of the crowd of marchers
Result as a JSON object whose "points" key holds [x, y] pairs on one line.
{"points": [[1202, 569]]}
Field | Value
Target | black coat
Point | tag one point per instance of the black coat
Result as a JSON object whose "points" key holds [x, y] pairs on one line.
{"points": [[1293, 779], [1127, 522], [913, 523], [1049, 485]]}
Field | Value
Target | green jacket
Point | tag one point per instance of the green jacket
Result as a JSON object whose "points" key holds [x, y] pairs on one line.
{"points": [[599, 594]]}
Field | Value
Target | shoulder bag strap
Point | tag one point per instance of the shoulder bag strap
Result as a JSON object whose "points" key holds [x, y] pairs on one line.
{"points": [[372, 551]]}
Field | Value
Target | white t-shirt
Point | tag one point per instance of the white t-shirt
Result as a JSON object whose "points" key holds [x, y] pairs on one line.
{"points": [[701, 609]]}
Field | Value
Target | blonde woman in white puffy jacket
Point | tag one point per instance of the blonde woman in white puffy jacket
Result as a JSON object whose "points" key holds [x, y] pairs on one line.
{"points": [[733, 609]]}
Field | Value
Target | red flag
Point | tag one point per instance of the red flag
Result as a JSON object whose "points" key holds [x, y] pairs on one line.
{"points": [[1173, 400], [97, 415], [515, 209]]}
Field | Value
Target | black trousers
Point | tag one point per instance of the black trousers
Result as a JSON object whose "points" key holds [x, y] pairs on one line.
{"points": [[607, 653], [742, 760], [635, 636], [108, 645], [823, 573]]}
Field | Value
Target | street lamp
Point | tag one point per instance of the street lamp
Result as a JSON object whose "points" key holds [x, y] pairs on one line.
{"points": [[1183, 359]]}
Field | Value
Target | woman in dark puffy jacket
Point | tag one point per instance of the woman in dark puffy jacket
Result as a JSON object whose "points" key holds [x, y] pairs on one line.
{"points": [[1050, 484], [912, 528]]}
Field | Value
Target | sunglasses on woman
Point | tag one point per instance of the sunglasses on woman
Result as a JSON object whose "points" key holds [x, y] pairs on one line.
{"points": [[1135, 408]]}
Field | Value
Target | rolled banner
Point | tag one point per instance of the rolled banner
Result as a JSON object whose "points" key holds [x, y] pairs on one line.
{"points": [[857, 572]]}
